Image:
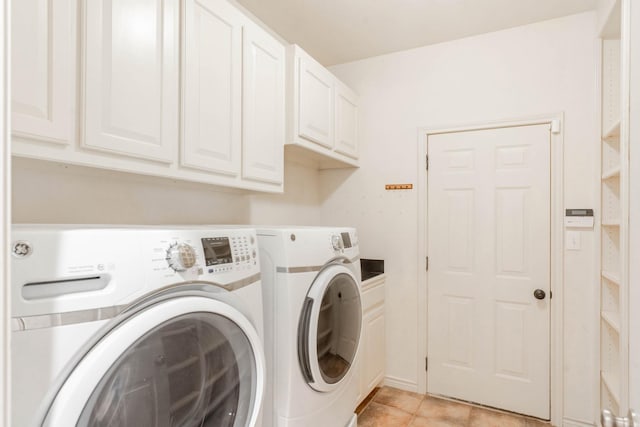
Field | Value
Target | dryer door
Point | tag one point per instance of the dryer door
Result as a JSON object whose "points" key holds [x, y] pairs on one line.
{"points": [[329, 328], [186, 361]]}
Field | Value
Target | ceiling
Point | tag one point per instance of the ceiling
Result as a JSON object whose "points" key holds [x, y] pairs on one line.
{"points": [[338, 31]]}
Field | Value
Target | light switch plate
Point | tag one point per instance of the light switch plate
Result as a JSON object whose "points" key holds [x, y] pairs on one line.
{"points": [[572, 242]]}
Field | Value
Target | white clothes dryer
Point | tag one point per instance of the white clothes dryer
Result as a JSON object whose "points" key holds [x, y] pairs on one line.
{"points": [[136, 327], [313, 316]]}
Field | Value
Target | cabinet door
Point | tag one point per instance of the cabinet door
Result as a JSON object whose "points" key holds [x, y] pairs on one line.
{"points": [[131, 77], [346, 121], [212, 72], [43, 69], [316, 106], [373, 360], [263, 106]]}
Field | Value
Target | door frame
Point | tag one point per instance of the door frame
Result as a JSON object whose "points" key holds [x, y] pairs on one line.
{"points": [[556, 121], [5, 212]]}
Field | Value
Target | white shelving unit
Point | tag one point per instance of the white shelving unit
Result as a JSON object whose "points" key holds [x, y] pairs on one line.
{"points": [[613, 223]]}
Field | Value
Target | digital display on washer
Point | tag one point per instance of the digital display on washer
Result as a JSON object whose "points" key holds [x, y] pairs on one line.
{"points": [[217, 250], [346, 239]]}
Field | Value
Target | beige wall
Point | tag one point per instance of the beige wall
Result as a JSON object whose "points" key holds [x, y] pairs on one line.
{"points": [[539, 69], [45, 192]]}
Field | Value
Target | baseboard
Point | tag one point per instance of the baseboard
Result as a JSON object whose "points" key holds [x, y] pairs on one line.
{"points": [[401, 384], [570, 422]]}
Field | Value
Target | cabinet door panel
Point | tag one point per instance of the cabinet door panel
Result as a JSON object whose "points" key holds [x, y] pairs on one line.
{"points": [[316, 104], [346, 121], [43, 69], [263, 107], [212, 87], [131, 77], [374, 349]]}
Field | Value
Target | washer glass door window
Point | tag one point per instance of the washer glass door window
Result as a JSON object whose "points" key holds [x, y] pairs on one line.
{"points": [[192, 362], [329, 329]]}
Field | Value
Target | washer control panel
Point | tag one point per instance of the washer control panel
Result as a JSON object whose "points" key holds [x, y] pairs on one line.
{"points": [[228, 254]]}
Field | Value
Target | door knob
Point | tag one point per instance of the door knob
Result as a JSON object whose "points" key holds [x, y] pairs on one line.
{"points": [[539, 294]]}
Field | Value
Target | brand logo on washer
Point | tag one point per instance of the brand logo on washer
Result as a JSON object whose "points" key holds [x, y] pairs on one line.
{"points": [[21, 249]]}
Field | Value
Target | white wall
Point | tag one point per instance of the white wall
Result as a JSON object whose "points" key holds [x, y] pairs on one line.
{"points": [[45, 192], [534, 70]]}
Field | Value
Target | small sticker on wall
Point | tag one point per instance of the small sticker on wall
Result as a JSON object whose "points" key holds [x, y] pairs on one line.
{"points": [[398, 187]]}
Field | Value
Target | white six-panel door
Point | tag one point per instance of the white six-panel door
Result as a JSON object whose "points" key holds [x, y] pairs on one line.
{"points": [[489, 249], [131, 53]]}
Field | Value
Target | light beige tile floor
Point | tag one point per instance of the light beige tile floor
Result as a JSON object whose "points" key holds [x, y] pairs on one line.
{"points": [[391, 407]]}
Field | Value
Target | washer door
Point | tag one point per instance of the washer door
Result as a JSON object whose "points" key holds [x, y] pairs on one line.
{"points": [[187, 361], [329, 328]]}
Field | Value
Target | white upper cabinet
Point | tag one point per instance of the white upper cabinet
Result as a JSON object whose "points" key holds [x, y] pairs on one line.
{"points": [[131, 77], [181, 89], [322, 113], [212, 86], [263, 106], [43, 62], [346, 121], [315, 117]]}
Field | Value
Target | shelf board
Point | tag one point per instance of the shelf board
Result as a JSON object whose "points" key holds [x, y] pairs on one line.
{"points": [[611, 276], [612, 383], [611, 223], [612, 318], [613, 132], [611, 173]]}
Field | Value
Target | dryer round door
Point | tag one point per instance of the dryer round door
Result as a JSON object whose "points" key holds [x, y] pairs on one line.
{"points": [[185, 361], [329, 328]]}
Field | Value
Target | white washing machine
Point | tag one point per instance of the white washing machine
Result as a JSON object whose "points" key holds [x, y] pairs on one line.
{"points": [[313, 316], [136, 327]]}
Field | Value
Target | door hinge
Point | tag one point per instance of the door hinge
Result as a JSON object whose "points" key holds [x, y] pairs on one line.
{"points": [[427, 162], [426, 363], [427, 264]]}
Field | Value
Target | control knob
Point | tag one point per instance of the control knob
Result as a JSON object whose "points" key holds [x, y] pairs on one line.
{"points": [[336, 242], [181, 256]]}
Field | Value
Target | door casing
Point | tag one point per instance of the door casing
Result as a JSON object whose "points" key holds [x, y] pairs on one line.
{"points": [[557, 245]]}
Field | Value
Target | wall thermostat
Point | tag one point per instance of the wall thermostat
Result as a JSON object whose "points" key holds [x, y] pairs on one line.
{"points": [[578, 218]]}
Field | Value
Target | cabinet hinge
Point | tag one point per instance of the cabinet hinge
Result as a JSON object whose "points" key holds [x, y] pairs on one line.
{"points": [[427, 264], [427, 162], [426, 363]]}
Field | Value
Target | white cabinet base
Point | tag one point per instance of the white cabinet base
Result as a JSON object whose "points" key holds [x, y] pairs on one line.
{"points": [[372, 357]]}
